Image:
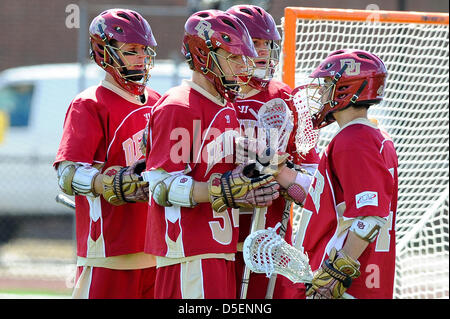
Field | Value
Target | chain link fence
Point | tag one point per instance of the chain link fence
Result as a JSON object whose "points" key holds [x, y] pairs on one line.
{"points": [[37, 241], [36, 233]]}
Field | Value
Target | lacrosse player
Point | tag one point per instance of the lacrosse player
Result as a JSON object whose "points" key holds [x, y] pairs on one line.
{"points": [[350, 210], [103, 128], [260, 89], [191, 171]]}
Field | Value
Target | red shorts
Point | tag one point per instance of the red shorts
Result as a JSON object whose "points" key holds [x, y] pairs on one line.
{"points": [[103, 283], [211, 278], [257, 286]]}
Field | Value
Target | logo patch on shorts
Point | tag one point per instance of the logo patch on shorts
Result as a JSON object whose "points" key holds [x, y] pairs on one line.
{"points": [[366, 198]]}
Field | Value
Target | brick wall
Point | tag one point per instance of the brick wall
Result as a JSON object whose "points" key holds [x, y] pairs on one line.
{"points": [[35, 32]]}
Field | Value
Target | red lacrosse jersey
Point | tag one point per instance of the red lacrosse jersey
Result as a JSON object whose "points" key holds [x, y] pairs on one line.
{"points": [[357, 176], [191, 134], [103, 127], [246, 109]]}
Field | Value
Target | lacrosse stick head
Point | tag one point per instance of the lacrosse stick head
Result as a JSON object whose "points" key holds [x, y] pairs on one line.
{"points": [[270, 132], [275, 119], [267, 252], [307, 135]]}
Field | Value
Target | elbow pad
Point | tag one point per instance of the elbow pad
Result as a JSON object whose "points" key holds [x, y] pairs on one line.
{"points": [[367, 227], [170, 189], [76, 179]]}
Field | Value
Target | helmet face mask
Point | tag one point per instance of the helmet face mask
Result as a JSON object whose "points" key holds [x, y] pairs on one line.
{"points": [[267, 60], [218, 45], [112, 34], [262, 29], [129, 67], [232, 71], [320, 98]]}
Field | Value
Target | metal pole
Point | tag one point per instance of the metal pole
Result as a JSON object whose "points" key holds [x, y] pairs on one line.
{"points": [[401, 5], [284, 224], [83, 40], [257, 212]]}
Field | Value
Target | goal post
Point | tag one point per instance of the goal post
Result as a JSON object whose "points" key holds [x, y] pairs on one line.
{"points": [[415, 112]]}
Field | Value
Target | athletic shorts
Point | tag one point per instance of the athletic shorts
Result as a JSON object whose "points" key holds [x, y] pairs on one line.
{"points": [[103, 283], [211, 278]]}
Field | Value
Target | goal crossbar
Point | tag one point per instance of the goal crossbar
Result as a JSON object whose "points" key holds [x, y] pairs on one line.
{"points": [[291, 14]]}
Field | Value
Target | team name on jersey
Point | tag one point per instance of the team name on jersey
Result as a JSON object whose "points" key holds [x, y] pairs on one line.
{"points": [[131, 148], [220, 148]]}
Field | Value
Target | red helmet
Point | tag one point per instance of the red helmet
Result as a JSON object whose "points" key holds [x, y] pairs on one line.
{"points": [[260, 25], [358, 77], [125, 26], [207, 31]]}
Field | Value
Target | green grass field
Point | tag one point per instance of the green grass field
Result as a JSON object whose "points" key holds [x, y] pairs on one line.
{"points": [[32, 294]]}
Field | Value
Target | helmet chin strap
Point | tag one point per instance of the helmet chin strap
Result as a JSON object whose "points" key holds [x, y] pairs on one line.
{"points": [[358, 93], [133, 75], [230, 86], [338, 75], [353, 101]]}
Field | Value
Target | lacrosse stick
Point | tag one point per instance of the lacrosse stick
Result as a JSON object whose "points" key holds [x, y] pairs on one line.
{"points": [[246, 274], [283, 227], [305, 139], [66, 201], [275, 121], [306, 136], [267, 252]]}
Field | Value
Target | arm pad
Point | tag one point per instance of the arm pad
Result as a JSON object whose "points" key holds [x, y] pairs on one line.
{"points": [[76, 179], [170, 189], [367, 227]]}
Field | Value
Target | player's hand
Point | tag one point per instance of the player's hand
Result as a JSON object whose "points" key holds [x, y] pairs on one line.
{"points": [[125, 184], [247, 149], [334, 277], [267, 160], [237, 189]]}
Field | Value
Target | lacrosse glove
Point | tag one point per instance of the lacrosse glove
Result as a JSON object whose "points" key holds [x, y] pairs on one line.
{"points": [[334, 277], [125, 184], [237, 189]]}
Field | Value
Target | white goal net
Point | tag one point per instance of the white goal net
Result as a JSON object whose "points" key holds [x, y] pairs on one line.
{"points": [[415, 112]]}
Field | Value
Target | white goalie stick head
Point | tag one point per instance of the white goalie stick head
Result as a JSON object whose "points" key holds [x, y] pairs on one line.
{"points": [[306, 136], [267, 252]]}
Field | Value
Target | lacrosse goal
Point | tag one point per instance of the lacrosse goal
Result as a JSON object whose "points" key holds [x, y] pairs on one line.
{"points": [[415, 111]]}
